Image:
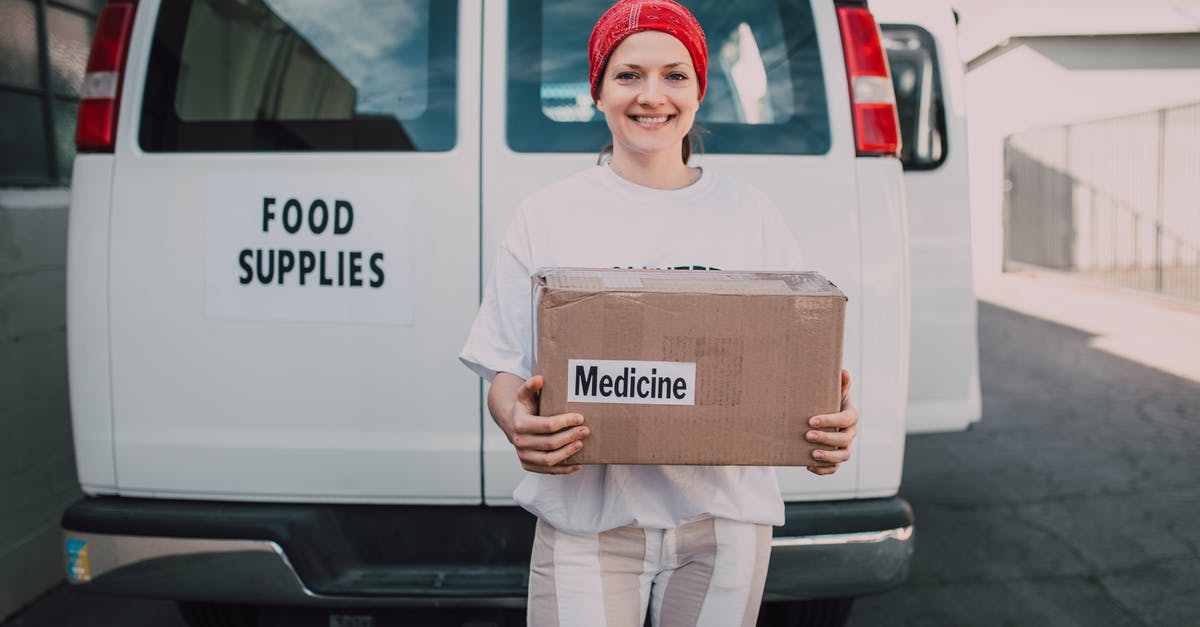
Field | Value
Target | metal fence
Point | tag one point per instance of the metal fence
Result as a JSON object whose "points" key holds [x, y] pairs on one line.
{"points": [[1116, 200]]}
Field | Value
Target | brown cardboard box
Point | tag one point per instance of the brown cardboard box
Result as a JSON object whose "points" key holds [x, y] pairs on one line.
{"points": [[689, 367]]}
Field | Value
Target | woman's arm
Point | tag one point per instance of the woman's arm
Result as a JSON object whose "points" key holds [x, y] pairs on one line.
{"points": [[542, 442]]}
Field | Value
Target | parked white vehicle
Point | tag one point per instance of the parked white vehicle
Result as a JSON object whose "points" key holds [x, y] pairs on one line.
{"points": [[280, 217]]}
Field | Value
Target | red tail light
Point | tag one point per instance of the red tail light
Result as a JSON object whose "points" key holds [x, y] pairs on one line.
{"points": [[96, 127], [876, 126]]}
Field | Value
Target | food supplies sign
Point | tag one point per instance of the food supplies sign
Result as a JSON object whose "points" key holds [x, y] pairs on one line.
{"points": [[631, 382], [309, 249]]}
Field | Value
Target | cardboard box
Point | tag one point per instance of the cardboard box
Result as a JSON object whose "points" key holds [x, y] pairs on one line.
{"points": [[689, 367]]}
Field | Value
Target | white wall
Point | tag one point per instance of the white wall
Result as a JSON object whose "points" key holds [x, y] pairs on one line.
{"points": [[1045, 82], [37, 460]]}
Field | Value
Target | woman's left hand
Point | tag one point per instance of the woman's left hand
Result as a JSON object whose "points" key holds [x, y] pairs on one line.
{"points": [[846, 424]]}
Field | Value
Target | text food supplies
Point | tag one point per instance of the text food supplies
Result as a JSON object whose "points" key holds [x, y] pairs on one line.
{"points": [[689, 367]]}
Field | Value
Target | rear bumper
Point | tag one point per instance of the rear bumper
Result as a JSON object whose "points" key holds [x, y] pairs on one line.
{"points": [[342, 555], [840, 549]]}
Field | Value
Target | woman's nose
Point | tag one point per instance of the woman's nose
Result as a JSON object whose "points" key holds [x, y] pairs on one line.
{"points": [[651, 94]]}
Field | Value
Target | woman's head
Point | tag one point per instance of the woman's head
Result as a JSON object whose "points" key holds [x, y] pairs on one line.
{"points": [[627, 17], [648, 64]]}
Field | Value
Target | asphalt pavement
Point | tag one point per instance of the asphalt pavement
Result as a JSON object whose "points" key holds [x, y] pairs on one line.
{"points": [[1075, 501]]}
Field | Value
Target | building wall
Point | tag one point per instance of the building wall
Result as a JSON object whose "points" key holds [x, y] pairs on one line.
{"points": [[1106, 186], [37, 465], [43, 53], [1036, 83]]}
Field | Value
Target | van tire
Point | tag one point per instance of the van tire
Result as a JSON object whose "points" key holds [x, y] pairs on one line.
{"points": [[809, 613], [201, 614]]}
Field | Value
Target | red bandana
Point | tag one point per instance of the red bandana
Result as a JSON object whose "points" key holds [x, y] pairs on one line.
{"points": [[631, 16]]}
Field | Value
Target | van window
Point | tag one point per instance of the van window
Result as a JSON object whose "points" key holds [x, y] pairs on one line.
{"points": [[293, 75], [912, 57], [766, 91]]}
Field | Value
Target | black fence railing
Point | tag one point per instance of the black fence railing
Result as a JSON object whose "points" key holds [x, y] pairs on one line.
{"points": [[1115, 200]]}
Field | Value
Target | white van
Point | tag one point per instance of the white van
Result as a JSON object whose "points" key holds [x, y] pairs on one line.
{"points": [[280, 219]]}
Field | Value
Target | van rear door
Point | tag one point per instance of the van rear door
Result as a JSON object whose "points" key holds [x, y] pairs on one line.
{"points": [[293, 268], [776, 114], [920, 38]]}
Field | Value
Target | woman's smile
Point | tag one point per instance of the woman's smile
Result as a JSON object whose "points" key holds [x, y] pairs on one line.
{"points": [[651, 121]]}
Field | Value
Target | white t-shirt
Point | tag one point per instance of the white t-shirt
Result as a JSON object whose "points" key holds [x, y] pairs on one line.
{"points": [[597, 219]]}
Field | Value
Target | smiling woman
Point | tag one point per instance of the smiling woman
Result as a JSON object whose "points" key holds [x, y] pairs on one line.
{"points": [[656, 536]]}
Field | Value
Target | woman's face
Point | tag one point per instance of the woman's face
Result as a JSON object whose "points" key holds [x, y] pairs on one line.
{"points": [[649, 94]]}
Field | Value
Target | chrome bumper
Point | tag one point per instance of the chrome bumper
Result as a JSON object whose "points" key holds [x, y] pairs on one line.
{"points": [[838, 565], [258, 571], [367, 556]]}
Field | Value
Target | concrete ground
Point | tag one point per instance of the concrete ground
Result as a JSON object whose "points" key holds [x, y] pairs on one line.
{"points": [[1075, 501]]}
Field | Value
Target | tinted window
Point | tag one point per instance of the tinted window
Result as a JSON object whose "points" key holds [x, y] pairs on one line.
{"points": [[296, 75], [913, 60], [43, 53], [766, 91]]}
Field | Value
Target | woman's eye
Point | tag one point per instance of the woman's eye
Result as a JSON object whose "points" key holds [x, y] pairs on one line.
{"points": [[626, 76], [677, 76]]}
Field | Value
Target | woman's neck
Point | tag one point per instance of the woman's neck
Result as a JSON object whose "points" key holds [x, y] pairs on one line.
{"points": [[660, 171]]}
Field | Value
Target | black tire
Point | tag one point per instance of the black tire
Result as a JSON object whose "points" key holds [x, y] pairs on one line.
{"points": [[197, 614], [810, 613]]}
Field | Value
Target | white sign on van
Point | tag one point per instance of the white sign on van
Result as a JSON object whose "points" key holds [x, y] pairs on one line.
{"points": [[309, 249]]}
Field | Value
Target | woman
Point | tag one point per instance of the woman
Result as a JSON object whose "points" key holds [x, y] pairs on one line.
{"points": [[689, 543]]}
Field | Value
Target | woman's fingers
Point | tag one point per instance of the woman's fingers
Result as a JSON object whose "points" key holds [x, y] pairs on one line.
{"points": [[548, 461], [834, 433], [526, 423], [844, 419], [836, 456], [534, 459], [837, 429], [543, 442], [832, 439], [527, 394], [549, 442]]}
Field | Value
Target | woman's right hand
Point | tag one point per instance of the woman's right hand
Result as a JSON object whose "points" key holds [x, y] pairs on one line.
{"points": [[542, 442]]}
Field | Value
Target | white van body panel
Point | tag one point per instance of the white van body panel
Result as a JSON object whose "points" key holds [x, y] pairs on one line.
{"points": [[944, 378], [87, 323], [885, 294], [209, 407]]}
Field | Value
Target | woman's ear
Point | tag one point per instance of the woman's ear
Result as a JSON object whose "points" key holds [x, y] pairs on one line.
{"points": [[600, 105]]}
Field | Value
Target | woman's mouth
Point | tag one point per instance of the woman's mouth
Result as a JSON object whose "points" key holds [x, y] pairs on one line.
{"points": [[651, 120]]}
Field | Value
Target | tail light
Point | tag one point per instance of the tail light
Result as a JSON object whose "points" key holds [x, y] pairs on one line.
{"points": [[96, 127], [876, 126]]}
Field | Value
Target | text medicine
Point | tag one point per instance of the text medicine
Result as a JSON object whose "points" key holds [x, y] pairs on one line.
{"points": [[631, 382]]}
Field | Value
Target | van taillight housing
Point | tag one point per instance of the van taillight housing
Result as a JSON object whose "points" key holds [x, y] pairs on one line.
{"points": [[96, 127], [876, 125]]}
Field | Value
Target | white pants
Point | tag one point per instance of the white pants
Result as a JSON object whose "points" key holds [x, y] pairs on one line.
{"points": [[705, 573]]}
